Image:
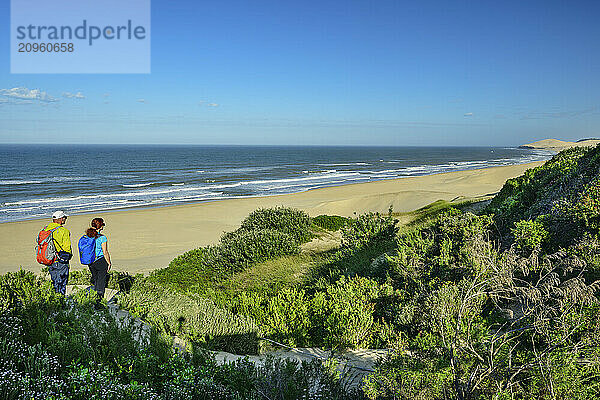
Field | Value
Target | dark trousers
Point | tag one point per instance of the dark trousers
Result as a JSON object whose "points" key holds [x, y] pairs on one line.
{"points": [[99, 270], [59, 273]]}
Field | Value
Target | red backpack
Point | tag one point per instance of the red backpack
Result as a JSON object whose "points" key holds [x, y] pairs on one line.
{"points": [[45, 249]]}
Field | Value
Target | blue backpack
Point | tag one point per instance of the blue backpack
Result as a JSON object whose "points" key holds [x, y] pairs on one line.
{"points": [[87, 250]]}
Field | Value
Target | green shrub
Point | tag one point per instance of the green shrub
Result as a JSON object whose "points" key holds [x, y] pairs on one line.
{"points": [[586, 207], [33, 299], [442, 251], [187, 270], [290, 221], [244, 248], [286, 317], [401, 376], [366, 228], [529, 235], [364, 239], [84, 354], [263, 235], [343, 315], [330, 222], [563, 192], [346, 314], [27, 292], [206, 267], [192, 257]]}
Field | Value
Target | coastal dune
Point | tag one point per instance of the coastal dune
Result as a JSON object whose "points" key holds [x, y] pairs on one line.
{"points": [[556, 145], [141, 240]]}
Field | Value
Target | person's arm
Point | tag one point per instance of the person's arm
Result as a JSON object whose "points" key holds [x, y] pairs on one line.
{"points": [[68, 249], [106, 255]]}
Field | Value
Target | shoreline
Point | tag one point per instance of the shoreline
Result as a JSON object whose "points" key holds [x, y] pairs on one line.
{"points": [[184, 204], [183, 176], [146, 238]]}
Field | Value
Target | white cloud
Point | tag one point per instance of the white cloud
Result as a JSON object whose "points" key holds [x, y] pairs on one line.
{"points": [[22, 94], [207, 103], [469, 114], [77, 95]]}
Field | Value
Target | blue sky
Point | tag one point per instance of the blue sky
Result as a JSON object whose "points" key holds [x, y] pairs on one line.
{"points": [[329, 72]]}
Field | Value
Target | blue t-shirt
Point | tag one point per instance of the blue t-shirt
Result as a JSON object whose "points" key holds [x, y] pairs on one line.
{"points": [[99, 240]]}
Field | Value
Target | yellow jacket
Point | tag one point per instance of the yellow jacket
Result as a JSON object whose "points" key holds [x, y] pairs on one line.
{"points": [[62, 237]]}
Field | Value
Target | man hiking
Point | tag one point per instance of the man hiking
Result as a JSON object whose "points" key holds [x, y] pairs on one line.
{"points": [[59, 270]]}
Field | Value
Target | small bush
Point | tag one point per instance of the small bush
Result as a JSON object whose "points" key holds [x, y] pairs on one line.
{"points": [[244, 248], [330, 222], [287, 318], [265, 234], [368, 227], [189, 269], [290, 221], [345, 312], [586, 207], [364, 239], [27, 292], [206, 267], [529, 235], [443, 251]]}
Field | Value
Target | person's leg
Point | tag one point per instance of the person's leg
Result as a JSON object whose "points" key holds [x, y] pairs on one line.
{"points": [[94, 274], [66, 278], [102, 277], [54, 271], [61, 277]]}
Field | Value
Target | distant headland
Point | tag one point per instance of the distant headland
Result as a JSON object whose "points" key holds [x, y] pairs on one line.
{"points": [[558, 145]]}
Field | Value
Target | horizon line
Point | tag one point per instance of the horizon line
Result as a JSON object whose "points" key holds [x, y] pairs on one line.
{"points": [[249, 145]]}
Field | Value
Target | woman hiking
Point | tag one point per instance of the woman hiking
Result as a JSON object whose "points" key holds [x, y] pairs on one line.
{"points": [[100, 267]]}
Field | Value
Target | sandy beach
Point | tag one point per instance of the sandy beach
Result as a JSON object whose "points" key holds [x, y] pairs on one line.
{"points": [[141, 240]]}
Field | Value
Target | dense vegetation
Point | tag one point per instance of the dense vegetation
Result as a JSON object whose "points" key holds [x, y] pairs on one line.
{"points": [[562, 196], [327, 306], [63, 348], [502, 304]]}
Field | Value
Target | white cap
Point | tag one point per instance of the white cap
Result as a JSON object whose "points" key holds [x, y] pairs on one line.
{"points": [[59, 214]]}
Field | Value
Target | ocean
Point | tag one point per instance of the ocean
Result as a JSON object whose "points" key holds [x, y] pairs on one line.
{"points": [[35, 180]]}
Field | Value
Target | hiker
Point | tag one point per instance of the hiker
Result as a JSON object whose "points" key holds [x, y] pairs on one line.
{"points": [[59, 269], [101, 265]]}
